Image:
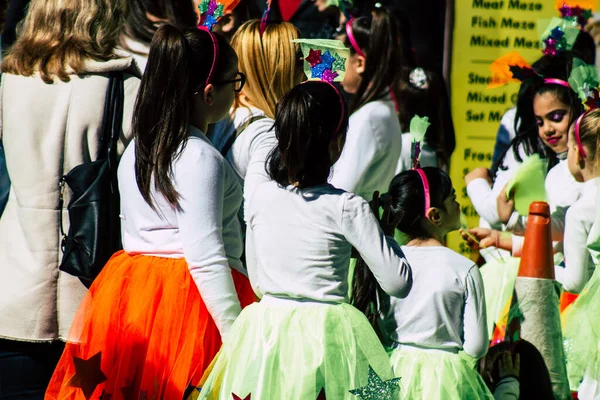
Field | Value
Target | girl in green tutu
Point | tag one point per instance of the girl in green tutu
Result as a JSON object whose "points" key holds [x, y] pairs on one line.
{"points": [[303, 340], [436, 331]]}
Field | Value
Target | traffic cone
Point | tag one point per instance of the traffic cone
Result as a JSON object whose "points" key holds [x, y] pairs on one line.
{"points": [[537, 260], [536, 313]]}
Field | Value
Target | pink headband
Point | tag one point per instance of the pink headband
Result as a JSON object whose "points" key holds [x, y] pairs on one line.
{"points": [[213, 38], [352, 40], [578, 136], [553, 81], [425, 189]]}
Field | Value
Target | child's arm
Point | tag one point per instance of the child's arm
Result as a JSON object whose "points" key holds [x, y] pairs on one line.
{"points": [[380, 252], [476, 338], [251, 261], [577, 270]]}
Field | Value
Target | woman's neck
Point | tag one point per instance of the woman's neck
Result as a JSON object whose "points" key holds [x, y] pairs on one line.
{"points": [[425, 242]]}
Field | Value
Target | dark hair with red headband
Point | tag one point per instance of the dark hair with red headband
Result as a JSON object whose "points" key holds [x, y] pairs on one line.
{"points": [[376, 37], [308, 120], [554, 72], [408, 201], [181, 63]]}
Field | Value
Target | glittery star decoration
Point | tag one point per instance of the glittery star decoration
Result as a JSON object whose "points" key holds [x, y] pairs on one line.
{"points": [[377, 389], [314, 57], [88, 374], [321, 395], [327, 59], [210, 11], [593, 99], [580, 15], [340, 63], [236, 397], [555, 42], [329, 75]]}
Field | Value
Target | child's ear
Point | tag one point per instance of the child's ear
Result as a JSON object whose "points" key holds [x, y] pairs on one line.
{"points": [[209, 94], [434, 216], [360, 64]]}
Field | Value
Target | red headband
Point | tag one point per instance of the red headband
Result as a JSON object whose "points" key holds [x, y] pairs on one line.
{"points": [[425, 190], [578, 136], [213, 38], [352, 40], [554, 81]]}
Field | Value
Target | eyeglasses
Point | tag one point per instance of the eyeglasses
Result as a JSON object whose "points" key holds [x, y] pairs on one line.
{"points": [[239, 81]]}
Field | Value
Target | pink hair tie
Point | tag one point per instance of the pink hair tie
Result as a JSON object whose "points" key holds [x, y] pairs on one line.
{"points": [[578, 137], [425, 189], [213, 38], [352, 40], [553, 81]]}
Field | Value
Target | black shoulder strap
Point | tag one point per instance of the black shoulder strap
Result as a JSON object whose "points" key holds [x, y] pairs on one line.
{"points": [[113, 121], [231, 140]]}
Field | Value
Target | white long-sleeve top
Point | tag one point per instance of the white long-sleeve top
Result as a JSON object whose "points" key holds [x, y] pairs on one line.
{"points": [[251, 148], [445, 308], [206, 231], [579, 265], [484, 197], [371, 152], [299, 243]]}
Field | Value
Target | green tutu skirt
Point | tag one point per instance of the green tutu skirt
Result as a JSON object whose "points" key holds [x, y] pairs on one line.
{"points": [[581, 336], [429, 374], [286, 349]]}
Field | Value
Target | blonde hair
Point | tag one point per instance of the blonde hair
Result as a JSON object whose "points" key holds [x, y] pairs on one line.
{"points": [[269, 62], [61, 34], [589, 134]]}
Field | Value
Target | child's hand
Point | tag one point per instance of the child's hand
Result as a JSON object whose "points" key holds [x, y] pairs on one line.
{"points": [[479, 238], [509, 367], [505, 206], [387, 224], [479, 173]]}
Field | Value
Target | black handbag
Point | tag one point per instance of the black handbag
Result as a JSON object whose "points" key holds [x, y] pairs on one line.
{"points": [[95, 230]]}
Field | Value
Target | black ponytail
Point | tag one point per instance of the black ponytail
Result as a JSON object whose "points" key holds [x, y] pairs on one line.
{"points": [[378, 36], [178, 64], [407, 201], [307, 119]]}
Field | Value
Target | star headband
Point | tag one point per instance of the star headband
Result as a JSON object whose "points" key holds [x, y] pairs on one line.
{"points": [[324, 59], [576, 13], [558, 35], [213, 10], [513, 68], [585, 81]]}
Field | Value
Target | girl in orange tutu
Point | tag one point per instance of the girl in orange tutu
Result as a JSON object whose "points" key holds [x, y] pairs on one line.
{"points": [[154, 317]]}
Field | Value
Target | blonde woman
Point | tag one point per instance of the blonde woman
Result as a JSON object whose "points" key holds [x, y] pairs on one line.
{"points": [[272, 67], [54, 84]]}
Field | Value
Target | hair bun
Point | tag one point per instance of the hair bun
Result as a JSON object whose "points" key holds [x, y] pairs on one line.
{"points": [[418, 78]]}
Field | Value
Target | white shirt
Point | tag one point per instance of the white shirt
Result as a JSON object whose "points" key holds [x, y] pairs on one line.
{"points": [[579, 265], [484, 197], [206, 231], [371, 152], [299, 243], [251, 148], [445, 308]]}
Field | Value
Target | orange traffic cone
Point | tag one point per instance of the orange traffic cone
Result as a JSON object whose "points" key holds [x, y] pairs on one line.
{"points": [[537, 260], [536, 315]]}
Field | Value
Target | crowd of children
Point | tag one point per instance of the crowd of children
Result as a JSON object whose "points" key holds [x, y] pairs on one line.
{"points": [[282, 242]]}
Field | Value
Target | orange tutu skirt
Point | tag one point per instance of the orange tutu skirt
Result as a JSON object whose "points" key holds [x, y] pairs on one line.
{"points": [[141, 332]]}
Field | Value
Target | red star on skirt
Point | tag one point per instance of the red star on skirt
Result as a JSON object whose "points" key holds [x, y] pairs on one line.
{"points": [[88, 374]]}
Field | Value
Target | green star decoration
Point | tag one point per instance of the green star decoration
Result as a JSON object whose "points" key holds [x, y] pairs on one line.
{"points": [[340, 63], [376, 388], [219, 11], [203, 6]]}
